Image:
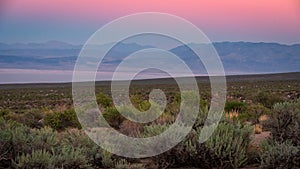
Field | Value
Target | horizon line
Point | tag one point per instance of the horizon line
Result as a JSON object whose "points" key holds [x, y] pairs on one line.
{"points": [[81, 44], [157, 78]]}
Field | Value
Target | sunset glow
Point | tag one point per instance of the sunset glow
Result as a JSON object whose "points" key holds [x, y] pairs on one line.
{"points": [[75, 21]]}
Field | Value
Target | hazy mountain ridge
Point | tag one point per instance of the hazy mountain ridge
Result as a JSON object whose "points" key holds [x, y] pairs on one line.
{"points": [[47, 45], [236, 56]]}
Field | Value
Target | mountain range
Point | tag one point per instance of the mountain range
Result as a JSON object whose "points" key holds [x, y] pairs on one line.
{"points": [[237, 57]]}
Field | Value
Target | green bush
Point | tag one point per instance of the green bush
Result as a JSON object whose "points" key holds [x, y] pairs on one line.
{"points": [[235, 106], [229, 144], [14, 139], [139, 103], [279, 155], [202, 117], [45, 148], [113, 117], [39, 159], [44, 138], [79, 140], [62, 120], [107, 159], [180, 154], [4, 112], [183, 154], [103, 100], [71, 158], [267, 99], [6, 152], [153, 130], [30, 118], [226, 148], [21, 140], [284, 122], [253, 112]]}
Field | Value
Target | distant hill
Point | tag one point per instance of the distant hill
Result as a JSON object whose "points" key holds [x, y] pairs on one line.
{"points": [[237, 57], [38, 46]]}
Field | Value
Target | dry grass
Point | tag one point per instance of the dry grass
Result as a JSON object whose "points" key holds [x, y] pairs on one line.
{"points": [[258, 128], [234, 114]]}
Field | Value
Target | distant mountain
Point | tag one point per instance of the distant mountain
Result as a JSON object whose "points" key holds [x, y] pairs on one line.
{"points": [[259, 57], [251, 57], [47, 45], [237, 57]]}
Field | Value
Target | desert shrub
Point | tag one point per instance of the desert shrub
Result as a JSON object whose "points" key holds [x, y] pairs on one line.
{"points": [[140, 103], [173, 105], [183, 154], [124, 164], [165, 118], [68, 157], [14, 117], [79, 140], [173, 108], [24, 140], [228, 144], [202, 117], [15, 139], [30, 119], [235, 106], [153, 130], [131, 128], [284, 122], [21, 139], [5, 147], [71, 158], [253, 155], [134, 114], [267, 99], [177, 98], [107, 159], [37, 159], [103, 100], [187, 153], [45, 148], [279, 155], [45, 138], [4, 112], [244, 116], [255, 111], [227, 147], [62, 120], [113, 117]]}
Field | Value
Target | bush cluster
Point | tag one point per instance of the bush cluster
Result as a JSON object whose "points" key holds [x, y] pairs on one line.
{"points": [[282, 150], [284, 122], [62, 120], [31, 145], [226, 148]]}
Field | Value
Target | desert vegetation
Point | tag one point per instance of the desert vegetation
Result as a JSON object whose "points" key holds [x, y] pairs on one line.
{"points": [[260, 128]]}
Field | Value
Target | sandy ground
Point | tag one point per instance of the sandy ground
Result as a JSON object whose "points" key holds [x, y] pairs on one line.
{"points": [[258, 138]]}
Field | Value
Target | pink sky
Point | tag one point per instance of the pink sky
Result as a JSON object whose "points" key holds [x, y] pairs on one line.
{"points": [[221, 20]]}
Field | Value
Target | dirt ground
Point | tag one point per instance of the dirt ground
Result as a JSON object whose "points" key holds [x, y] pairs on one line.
{"points": [[258, 138]]}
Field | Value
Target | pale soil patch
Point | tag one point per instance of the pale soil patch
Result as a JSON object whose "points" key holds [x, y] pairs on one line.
{"points": [[258, 138]]}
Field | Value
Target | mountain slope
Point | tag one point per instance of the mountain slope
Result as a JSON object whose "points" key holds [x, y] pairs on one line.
{"points": [[237, 57]]}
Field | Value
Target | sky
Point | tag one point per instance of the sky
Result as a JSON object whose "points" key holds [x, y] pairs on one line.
{"points": [[75, 21]]}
